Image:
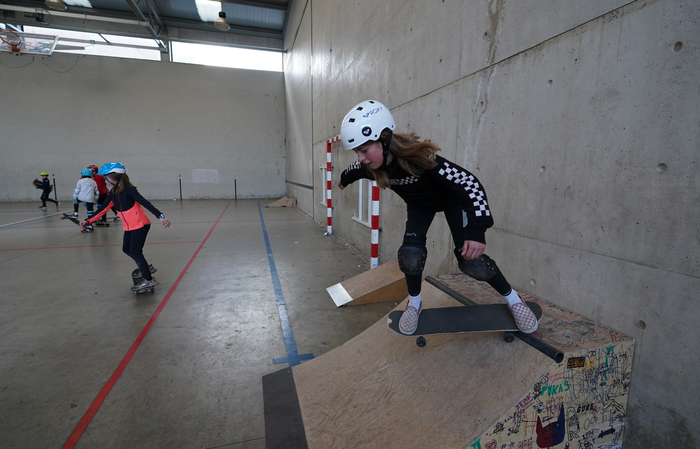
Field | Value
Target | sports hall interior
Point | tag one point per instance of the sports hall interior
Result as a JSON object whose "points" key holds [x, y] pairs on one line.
{"points": [[581, 119]]}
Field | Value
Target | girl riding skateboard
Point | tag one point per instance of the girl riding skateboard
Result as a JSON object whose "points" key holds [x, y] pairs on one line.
{"points": [[428, 183], [127, 201]]}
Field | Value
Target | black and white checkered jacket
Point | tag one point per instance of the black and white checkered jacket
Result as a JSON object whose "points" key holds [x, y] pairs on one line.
{"points": [[446, 186]]}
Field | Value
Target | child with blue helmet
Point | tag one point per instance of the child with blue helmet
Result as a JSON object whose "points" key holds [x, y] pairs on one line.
{"points": [[129, 204], [86, 192]]}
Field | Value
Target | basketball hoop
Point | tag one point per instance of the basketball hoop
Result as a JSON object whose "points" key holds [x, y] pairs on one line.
{"points": [[11, 39]]}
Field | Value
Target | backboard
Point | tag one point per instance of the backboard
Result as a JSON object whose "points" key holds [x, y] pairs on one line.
{"points": [[33, 44]]}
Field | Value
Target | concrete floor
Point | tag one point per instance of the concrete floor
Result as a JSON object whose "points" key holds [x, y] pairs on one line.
{"points": [[86, 363]]}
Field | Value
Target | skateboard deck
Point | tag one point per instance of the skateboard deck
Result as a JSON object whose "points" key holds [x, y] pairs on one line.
{"points": [[76, 221], [463, 319]]}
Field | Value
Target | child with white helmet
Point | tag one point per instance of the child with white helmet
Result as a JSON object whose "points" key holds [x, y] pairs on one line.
{"points": [[85, 191], [127, 201], [428, 183]]}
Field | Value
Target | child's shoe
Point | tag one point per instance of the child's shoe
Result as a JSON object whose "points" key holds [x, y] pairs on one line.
{"points": [[144, 284], [75, 214], [409, 319], [42, 207], [524, 318]]}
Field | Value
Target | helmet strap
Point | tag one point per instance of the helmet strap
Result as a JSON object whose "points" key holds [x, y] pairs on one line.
{"points": [[385, 148]]}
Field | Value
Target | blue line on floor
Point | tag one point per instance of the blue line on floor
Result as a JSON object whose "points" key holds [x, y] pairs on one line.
{"points": [[293, 357]]}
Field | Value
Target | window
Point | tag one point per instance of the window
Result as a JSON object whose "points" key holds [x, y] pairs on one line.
{"points": [[232, 57], [364, 203], [86, 43]]}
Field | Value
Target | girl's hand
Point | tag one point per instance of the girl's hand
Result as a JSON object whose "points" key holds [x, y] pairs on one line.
{"points": [[83, 224], [472, 249], [340, 186], [164, 221]]}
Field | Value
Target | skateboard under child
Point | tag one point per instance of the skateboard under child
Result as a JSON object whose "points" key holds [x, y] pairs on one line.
{"points": [[75, 220], [464, 319], [136, 277]]}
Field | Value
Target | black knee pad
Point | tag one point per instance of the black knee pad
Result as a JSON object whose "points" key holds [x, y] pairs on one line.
{"points": [[412, 259], [482, 268]]}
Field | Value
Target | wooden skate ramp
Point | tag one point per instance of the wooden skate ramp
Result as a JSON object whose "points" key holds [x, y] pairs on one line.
{"points": [[380, 390], [383, 284]]}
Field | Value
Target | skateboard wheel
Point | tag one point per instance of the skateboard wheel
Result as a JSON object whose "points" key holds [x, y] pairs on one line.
{"points": [[509, 337], [420, 341]]}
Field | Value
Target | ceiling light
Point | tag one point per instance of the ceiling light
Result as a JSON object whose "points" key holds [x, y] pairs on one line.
{"points": [[221, 22], [56, 4]]}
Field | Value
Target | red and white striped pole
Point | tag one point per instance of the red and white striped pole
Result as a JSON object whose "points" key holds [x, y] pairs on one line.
{"points": [[329, 185], [375, 226]]}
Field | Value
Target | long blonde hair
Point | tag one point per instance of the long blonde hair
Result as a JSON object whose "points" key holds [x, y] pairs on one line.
{"points": [[413, 155]]}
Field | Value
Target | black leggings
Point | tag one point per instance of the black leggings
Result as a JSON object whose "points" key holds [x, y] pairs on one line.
{"points": [[417, 223], [133, 247], [45, 197]]}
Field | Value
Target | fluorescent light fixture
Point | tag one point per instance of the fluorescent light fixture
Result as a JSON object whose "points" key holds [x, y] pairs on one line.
{"points": [[208, 10], [83, 3]]}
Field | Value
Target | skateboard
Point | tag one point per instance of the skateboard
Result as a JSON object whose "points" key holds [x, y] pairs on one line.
{"points": [[463, 319], [102, 223], [70, 217], [136, 278]]}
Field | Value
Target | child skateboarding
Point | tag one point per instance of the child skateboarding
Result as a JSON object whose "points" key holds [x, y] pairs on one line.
{"points": [[86, 192], [128, 202], [428, 184]]}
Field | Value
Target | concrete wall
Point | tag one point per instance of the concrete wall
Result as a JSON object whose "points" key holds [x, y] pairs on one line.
{"points": [[161, 120], [582, 120]]}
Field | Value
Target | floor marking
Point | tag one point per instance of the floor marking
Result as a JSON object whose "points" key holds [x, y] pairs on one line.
{"points": [[30, 219], [293, 357], [92, 410], [92, 246]]}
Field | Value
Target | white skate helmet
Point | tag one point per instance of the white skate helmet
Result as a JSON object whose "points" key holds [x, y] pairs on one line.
{"points": [[365, 122]]}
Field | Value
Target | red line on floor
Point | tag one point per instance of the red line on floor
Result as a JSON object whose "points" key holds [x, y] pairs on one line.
{"points": [[91, 246], [95, 406]]}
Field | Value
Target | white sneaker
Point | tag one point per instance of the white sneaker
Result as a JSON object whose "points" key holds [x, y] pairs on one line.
{"points": [[524, 318], [409, 319]]}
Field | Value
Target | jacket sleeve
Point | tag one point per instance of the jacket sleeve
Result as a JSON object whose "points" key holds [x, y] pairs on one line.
{"points": [[100, 212], [354, 172], [144, 202], [473, 196]]}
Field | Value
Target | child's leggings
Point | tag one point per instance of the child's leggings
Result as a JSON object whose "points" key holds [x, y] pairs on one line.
{"points": [[45, 197], [88, 206], [417, 223], [133, 247]]}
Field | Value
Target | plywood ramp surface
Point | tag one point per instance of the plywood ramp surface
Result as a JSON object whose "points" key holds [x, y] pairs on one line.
{"points": [[381, 390], [382, 284]]}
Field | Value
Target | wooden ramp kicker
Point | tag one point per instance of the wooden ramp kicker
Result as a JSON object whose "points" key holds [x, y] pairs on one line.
{"points": [[383, 284], [466, 390]]}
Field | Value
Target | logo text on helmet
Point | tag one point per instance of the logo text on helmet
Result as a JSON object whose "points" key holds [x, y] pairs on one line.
{"points": [[372, 112]]}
